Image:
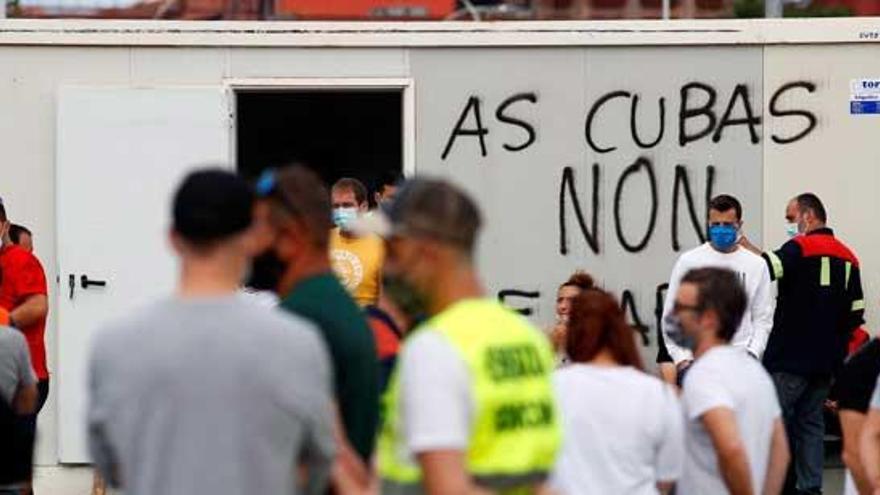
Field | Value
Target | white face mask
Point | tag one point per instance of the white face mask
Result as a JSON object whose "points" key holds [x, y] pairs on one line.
{"points": [[343, 217], [791, 229]]}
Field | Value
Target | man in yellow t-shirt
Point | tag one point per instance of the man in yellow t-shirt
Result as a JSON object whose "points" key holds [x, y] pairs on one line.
{"points": [[357, 260]]}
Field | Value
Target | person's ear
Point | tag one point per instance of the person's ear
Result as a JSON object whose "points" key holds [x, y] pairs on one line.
{"points": [[709, 319], [262, 233], [286, 245], [377, 198], [435, 254], [176, 242], [253, 242], [293, 239]]}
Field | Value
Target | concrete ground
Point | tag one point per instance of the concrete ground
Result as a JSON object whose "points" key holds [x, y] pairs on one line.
{"points": [[78, 481], [833, 481]]}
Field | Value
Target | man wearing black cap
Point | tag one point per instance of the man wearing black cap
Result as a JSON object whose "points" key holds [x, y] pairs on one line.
{"points": [[205, 392]]}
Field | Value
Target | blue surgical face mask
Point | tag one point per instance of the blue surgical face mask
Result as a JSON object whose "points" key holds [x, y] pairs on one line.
{"points": [[791, 230], [342, 217], [677, 334], [723, 237]]}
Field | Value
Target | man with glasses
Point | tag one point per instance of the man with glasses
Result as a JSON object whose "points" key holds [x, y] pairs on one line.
{"points": [[735, 440], [724, 250]]}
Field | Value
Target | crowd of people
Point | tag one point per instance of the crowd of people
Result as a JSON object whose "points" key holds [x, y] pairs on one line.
{"points": [[24, 376], [316, 345]]}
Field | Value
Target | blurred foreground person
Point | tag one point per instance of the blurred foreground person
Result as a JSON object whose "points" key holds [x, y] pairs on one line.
{"points": [[567, 292], [18, 399], [870, 443], [735, 439], [470, 406], [222, 396], [300, 218], [852, 390], [610, 444], [389, 325]]}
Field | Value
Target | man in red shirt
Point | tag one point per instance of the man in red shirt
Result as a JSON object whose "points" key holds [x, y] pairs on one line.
{"points": [[23, 294]]}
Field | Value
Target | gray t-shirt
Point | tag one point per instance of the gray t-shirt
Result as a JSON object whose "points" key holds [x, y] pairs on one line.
{"points": [[213, 395], [15, 364]]}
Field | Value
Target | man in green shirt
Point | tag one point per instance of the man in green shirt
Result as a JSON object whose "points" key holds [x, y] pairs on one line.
{"points": [[299, 216]]}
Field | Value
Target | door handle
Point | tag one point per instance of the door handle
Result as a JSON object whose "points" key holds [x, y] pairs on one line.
{"points": [[85, 283]]}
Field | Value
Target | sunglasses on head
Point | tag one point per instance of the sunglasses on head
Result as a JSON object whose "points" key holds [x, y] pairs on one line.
{"points": [[267, 187]]}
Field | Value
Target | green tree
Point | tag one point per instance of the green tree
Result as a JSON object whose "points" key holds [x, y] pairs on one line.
{"points": [[754, 9]]}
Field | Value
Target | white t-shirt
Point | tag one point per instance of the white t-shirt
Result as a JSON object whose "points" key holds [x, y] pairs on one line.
{"points": [[757, 321], [262, 298], [435, 389], [726, 377], [849, 485], [623, 431]]}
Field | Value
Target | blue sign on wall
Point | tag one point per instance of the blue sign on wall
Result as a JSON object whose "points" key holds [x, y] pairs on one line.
{"points": [[864, 107]]}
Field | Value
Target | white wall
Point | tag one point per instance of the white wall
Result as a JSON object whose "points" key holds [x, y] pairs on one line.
{"points": [[838, 161], [29, 79], [519, 191]]}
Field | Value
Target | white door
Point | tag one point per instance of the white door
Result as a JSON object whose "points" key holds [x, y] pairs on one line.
{"points": [[120, 154]]}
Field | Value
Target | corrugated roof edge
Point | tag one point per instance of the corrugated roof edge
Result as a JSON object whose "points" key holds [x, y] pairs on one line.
{"points": [[439, 34]]}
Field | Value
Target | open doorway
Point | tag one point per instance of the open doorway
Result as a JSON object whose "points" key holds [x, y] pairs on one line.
{"points": [[339, 132]]}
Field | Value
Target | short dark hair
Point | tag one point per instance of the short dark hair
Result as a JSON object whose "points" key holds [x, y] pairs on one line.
{"points": [[353, 185], [726, 202], [721, 290], [15, 232], [3, 216], [809, 201], [305, 198], [388, 178], [597, 322], [212, 205]]}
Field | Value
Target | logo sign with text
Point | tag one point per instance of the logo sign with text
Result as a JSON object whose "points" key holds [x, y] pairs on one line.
{"points": [[864, 96]]}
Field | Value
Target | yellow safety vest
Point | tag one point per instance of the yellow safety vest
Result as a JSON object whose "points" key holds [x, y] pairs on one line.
{"points": [[515, 433]]}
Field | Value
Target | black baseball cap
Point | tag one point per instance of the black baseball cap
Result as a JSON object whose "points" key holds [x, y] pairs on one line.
{"points": [[212, 204]]}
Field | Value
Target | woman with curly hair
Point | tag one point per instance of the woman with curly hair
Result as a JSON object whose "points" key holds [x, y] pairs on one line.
{"points": [[567, 292]]}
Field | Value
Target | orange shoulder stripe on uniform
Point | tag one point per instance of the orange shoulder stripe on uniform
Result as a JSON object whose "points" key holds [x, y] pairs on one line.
{"points": [[825, 245]]}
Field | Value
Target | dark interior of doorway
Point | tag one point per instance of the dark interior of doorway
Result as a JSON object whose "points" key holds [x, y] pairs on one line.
{"points": [[345, 133]]}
